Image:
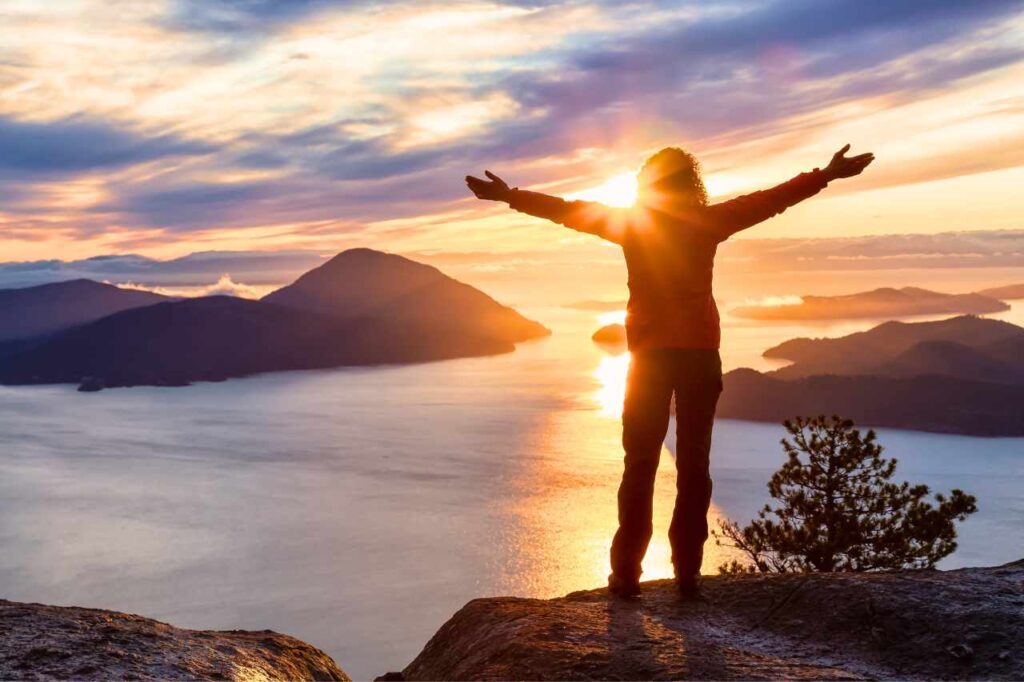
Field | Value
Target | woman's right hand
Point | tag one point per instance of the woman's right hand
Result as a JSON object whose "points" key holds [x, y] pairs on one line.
{"points": [[494, 190]]}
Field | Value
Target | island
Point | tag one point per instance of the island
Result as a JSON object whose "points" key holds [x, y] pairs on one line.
{"points": [[963, 375], [1007, 293], [610, 335], [880, 303]]}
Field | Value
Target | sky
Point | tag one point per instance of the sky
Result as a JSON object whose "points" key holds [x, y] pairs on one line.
{"points": [[160, 128]]}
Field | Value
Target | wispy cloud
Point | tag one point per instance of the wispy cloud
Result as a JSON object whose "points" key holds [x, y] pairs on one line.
{"points": [[79, 144], [311, 122], [224, 286], [255, 268]]}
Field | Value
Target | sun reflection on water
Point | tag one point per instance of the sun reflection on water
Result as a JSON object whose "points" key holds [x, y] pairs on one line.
{"points": [[611, 374], [562, 524]]}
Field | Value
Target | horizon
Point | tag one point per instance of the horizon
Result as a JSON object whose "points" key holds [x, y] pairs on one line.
{"points": [[752, 271]]}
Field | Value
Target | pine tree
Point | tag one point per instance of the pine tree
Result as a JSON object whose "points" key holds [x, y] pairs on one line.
{"points": [[837, 509]]}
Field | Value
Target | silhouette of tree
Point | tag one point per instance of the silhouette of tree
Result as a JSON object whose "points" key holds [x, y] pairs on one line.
{"points": [[838, 509]]}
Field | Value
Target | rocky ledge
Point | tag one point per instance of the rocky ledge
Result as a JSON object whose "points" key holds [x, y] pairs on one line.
{"points": [[39, 642], [964, 624]]}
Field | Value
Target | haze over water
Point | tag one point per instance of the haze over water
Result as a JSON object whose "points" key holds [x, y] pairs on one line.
{"points": [[359, 508]]}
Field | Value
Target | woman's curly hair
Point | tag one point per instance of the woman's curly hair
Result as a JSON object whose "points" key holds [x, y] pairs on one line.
{"points": [[673, 171]]}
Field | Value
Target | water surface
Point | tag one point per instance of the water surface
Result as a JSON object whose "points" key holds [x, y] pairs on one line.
{"points": [[359, 508]]}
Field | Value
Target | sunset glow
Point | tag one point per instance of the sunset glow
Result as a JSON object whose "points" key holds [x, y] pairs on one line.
{"points": [[618, 190], [176, 126]]}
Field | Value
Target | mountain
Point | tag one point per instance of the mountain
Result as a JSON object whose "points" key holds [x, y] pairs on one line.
{"points": [[43, 309], [372, 284], [218, 337], [948, 358], [880, 303], [1008, 292], [864, 352], [1010, 349], [961, 375]]}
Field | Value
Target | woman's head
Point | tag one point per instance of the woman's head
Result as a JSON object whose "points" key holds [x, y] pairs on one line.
{"points": [[671, 177]]}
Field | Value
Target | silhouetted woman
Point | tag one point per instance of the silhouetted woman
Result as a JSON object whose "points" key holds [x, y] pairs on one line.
{"points": [[669, 238]]}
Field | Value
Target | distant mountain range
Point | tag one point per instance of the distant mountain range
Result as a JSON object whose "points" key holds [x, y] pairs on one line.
{"points": [[362, 307], [904, 344], [47, 308], [879, 303], [960, 375], [1009, 292]]}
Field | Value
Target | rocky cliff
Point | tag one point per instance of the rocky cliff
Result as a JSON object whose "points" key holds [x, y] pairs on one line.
{"points": [[965, 624], [39, 642]]}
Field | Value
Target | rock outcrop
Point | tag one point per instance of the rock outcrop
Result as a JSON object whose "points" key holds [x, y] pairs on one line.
{"points": [[964, 624], [39, 642]]}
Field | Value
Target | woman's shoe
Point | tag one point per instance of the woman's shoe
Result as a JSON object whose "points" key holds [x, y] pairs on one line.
{"points": [[627, 589], [689, 589]]}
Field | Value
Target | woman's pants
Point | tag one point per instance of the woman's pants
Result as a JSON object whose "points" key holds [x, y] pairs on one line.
{"points": [[695, 377]]}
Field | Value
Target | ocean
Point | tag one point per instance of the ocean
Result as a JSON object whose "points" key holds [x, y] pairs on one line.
{"points": [[357, 509]]}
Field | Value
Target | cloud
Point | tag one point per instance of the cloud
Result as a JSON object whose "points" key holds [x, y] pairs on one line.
{"points": [[256, 268], [340, 114], [80, 144], [225, 286], [717, 74], [194, 205], [995, 249], [242, 16]]}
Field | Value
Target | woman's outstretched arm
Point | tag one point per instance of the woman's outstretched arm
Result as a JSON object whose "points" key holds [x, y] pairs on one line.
{"points": [[746, 211], [583, 216]]}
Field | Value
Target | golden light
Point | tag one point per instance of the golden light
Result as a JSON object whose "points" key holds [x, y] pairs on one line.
{"points": [[721, 184], [772, 301], [618, 190], [561, 525], [450, 120], [612, 317], [611, 374]]}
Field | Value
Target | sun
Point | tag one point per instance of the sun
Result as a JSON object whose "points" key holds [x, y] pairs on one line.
{"points": [[618, 190]]}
